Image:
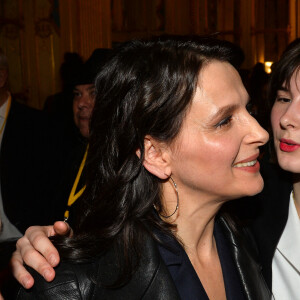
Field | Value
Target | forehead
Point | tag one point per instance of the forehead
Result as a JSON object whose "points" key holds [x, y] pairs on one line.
{"points": [[84, 87], [293, 84], [220, 83]]}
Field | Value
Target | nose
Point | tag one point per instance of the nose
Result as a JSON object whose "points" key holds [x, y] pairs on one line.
{"points": [[85, 101], [256, 134], [291, 116]]}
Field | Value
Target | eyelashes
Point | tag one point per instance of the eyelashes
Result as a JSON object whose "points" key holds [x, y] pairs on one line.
{"points": [[283, 100], [224, 122]]}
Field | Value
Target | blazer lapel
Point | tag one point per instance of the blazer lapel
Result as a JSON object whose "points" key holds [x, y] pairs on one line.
{"points": [[248, 269], [290, 239]]}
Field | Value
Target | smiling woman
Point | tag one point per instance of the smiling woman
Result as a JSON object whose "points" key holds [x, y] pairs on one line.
{"points": [[219, 137], [171, 140]]}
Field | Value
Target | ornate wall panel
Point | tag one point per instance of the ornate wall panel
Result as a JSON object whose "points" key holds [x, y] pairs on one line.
{"points": [[30, 39], [46, 37], [94, 30], [137, 19], [276, 28], [11, 42], [35, 34], [270, 28], [69, 21], [294, 19]]}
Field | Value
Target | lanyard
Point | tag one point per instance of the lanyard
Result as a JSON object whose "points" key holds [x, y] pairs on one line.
{"points": [[73, 195], [6, 114]]}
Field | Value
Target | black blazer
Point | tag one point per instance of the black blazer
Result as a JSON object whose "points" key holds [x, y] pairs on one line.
{"points": [[30, 162], [152, 279], [272, 206]]}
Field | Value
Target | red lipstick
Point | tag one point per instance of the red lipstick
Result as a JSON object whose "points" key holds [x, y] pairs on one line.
{"points": [[288, 145]]}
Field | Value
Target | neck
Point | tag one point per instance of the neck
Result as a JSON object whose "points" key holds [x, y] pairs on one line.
{"points": [[194, 220], [296, 188]]}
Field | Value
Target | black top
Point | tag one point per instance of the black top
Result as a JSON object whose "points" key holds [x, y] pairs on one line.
{"points": [[30, 166], [185, 277], [151, 280]]}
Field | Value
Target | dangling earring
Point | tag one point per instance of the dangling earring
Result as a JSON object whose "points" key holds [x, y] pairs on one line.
{"points": [[177, 205]]}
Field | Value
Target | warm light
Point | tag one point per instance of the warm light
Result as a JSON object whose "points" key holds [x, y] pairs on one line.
{"points": [[268, 65]]}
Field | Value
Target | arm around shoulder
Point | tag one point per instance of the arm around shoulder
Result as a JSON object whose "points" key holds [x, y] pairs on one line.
{"points": [[65, 284]]}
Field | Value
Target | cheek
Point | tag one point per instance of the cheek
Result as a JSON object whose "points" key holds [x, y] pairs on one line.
{"points": [[214, 155], [75, 109], [275, 117]]}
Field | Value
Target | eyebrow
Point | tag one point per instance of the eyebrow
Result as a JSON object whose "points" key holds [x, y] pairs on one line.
{"points": [[89, 89], [223, 111], [283, 89]]}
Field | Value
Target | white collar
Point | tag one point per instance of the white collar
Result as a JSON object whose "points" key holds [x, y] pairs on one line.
{"points": [[289, 243], [3, 107]]}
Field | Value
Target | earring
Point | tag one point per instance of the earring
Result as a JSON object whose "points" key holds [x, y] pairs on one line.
{"points": [[177, 205]]}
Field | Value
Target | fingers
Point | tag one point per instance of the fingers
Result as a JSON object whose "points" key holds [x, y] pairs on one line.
{"points": [[1, 297], [19, 272], [36, 243], [37, 251], [62, 228]]}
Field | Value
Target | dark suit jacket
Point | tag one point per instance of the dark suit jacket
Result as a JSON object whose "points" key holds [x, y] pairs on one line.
{"points": [[30, 162], [151, 280], [74, 149], [272, 206]]}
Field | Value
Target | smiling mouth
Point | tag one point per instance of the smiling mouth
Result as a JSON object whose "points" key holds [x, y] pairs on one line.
{"points": [[246, 164], [83, 118]]}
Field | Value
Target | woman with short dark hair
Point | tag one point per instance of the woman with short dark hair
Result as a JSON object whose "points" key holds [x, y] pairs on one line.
{"points": [[171, 141], [277, 228]]}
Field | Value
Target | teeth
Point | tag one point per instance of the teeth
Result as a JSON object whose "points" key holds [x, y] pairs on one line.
{"points": [[246, 164]]}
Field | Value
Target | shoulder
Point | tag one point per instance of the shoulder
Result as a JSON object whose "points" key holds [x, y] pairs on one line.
{"points": [[20, 110], [151, 279], [245, 256], [72, 281], [26, 120]]}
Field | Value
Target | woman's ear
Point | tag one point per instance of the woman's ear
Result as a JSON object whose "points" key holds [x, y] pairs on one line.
{"points": [[156, 158]]}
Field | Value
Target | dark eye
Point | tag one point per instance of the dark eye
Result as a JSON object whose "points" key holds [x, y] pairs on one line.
{"points": [[283, 99], [251, 109], [93, 93], [76, 94], [224, 122]]}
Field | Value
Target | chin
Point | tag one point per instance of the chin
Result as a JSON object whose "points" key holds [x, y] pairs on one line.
{"points": [[254, 188], [290, 168], [289, 164]]}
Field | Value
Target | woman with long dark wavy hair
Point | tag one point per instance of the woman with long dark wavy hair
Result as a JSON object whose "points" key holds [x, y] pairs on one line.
{"points": [[171, 141]]}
